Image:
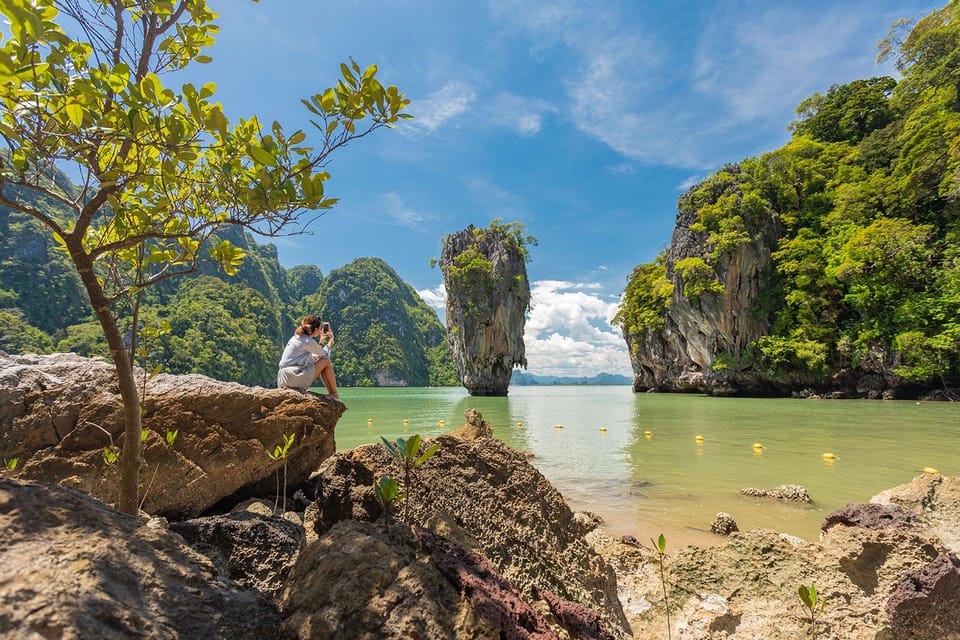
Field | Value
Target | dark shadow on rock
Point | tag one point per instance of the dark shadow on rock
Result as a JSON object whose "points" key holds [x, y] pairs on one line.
{"points": [[862, 569]]}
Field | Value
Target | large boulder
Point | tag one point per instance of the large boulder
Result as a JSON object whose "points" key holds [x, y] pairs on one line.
{"points": [[73, 568], [485, 276], [482, 492], [58, 412]]}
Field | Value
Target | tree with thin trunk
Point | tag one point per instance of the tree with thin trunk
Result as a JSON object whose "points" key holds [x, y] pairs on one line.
{"points": [[161, 168]]}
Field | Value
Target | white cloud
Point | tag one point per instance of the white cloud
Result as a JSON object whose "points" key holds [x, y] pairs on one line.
{"points": [[687, 101], [690, 181], [568, 331], [396, 209], [523, 115], [436, 298], [438, 108]]}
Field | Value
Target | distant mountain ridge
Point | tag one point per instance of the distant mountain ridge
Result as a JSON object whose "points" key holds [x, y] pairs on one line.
{"points": [[521, 379], [230, 328]]}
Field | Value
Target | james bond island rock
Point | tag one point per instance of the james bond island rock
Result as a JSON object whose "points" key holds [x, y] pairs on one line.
{"points": [[488, 294], [59, 412], [488, 498], [73, 568]]}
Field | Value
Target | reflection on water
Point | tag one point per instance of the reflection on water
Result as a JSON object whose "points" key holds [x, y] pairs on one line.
{"points": [[669, 482]]}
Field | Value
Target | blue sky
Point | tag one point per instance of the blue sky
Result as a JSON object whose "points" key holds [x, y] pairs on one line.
{"points": [[583, 120]]}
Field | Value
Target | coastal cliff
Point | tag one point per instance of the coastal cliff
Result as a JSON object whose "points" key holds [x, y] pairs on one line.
{"points": [[488, 294], [828, 267]]}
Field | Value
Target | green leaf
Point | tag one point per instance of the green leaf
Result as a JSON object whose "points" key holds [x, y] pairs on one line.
{"points": [[390, 448], [429, 453], [261, 155], [348, 75], [75, 113], [297, 138], [411, 447]]}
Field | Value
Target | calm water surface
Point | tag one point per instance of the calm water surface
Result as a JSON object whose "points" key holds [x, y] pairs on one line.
{"points": [[667, 482]]}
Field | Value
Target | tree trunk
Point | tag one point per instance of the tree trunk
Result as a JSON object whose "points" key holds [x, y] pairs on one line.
{"points": [[130, 454]]}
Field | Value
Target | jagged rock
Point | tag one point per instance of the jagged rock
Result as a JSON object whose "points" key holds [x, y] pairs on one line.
{"points": [[56, 412], [587, 521], [491, 492], [74, 568], [934, 496], [926, 602], [723, 524], [256, 551], [366, 581], [487, 301], [784, 493], [680, 356], [875, 516]]}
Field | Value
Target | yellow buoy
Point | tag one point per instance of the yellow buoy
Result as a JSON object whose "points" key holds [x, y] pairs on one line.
{"points": [[930, 470], [648, 434], [519, 425], [829, 456], [559, 426], [699, 439], [757, 445], [603, 428]]}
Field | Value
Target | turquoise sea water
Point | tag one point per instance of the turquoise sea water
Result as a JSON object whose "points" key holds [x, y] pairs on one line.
{"points": [[669, 482]]}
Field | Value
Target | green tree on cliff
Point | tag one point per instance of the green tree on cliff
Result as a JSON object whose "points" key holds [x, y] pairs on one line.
{"points": [[161, 169]]}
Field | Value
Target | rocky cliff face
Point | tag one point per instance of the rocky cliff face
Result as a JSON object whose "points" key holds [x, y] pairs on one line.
{"points": [[681, 356], [485, 275]]}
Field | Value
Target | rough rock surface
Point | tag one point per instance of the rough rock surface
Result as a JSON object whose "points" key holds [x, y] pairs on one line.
{"points": [[506, 506], [875, 516], [884, 574], [926, 602], [937, 498], [56, 412], [256, 551], [723, 524], [75, 569], [402, 592], [784, 493], [486, 307]]}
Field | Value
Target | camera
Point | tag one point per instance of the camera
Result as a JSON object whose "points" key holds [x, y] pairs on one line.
{"points": [[325, 327]]}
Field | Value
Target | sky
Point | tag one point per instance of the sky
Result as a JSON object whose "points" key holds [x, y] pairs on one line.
{"points": [[583, 120]]}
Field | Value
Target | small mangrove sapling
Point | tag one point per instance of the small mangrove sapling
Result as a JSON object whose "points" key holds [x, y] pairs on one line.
{"points": [[280, 453], [813, 604], [407, 453], [660, 546], [388, 493]]}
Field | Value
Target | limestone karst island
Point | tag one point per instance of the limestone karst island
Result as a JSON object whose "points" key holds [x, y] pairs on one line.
{"points": [[469, 321]]}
